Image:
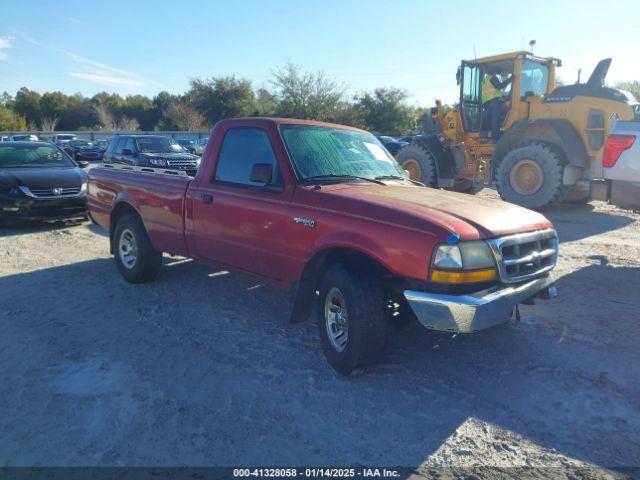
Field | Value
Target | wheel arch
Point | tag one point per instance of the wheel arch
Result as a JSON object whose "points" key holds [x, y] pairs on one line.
{"points": [[305, 288], [121, 208], [558, 133]]}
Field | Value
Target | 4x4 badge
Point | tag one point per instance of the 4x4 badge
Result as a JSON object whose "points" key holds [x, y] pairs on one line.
{"points": [[307, 222]]}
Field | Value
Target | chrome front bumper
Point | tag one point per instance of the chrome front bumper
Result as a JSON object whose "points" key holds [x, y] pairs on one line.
{"points": [[470, 313]]}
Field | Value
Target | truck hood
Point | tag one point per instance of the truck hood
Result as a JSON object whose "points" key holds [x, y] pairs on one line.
{"points": [[469, 216]]}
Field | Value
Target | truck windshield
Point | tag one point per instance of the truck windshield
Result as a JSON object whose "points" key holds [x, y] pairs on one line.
{"points": [[158, 145], [337, 153], [33, 156]]}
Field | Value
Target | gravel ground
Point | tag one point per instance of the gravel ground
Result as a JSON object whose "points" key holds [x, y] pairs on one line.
{"points": [[202, 368]]}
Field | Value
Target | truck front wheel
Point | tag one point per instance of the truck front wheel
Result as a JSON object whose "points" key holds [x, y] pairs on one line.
{"points": [[137, 261], [531, 175], [351, 319]]}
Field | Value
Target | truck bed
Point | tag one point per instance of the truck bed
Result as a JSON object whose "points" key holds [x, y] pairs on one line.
{"points": [[158, 196]]}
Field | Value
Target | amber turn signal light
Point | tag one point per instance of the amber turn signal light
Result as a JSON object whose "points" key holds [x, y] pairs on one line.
{"points": [[476, 276]]}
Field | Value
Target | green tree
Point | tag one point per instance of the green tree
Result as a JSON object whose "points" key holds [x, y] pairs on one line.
{"points": [[27, 105], [222, 97], [9, 121], [142, 109], [307, 95], [385, 111]]}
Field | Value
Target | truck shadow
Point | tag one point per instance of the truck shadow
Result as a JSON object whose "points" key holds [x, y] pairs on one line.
{"points": [[201, 368]]}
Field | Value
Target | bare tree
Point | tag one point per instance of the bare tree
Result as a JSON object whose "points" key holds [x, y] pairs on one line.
{"points": [[104, 115], [48, 124], [184, 116], [128, 124]]}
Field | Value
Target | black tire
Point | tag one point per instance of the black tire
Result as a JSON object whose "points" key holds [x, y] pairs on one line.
{"points": [[365, 306], [544, 159], [421, 157], [147, 262]]}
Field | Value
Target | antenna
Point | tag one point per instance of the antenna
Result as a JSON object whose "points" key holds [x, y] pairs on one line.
{"points": [[475, 57], [532, 43]]}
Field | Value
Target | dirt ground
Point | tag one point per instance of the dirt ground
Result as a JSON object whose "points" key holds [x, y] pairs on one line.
{"points": [[202, 368]]}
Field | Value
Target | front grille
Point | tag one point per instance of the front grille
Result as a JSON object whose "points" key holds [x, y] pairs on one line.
{"points": [[183, 163], [525, 255], [55, 192]]}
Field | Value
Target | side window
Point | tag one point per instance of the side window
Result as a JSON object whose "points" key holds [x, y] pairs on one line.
{"points": [[129, 145], [117, 148], [112, 145], [241, 149]]}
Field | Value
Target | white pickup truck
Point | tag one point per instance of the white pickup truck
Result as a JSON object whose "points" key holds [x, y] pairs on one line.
{"points": [[621, 162]]}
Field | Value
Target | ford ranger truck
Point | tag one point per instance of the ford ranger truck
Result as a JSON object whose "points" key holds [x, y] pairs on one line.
{"points": [[325, 212]]}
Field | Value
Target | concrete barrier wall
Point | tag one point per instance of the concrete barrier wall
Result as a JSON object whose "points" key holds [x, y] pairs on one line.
{"points": [[104, 134]]}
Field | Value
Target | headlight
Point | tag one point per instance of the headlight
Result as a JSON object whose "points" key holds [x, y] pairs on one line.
{"points": [[448, 256], [83, 188], [476, 255], [158, 162], [465, 262]]}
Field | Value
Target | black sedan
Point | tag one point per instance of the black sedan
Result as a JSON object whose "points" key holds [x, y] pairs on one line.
{"points": [[392, 144], [82, 150], [39, 181]]}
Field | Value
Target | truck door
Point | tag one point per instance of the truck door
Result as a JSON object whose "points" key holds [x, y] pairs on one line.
{"points": [[471, 97], [237, 221]]}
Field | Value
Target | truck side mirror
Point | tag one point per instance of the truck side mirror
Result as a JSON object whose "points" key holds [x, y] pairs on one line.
{"points": [[261, 173]]}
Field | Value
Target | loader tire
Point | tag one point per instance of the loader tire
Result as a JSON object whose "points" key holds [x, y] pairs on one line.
{"points": [[420, 163], [531, 175]]}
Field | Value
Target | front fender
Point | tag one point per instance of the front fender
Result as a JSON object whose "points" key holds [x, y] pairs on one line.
{"points": [[554, 131]]}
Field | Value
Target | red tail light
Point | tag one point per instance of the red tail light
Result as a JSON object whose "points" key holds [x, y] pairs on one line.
{"points": [[614, 146]]}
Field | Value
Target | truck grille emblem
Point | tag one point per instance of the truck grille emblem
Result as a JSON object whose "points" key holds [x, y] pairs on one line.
{"points": [[57, 191]]}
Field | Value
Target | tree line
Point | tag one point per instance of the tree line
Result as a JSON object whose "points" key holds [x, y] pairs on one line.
{"points": [[292, 92]]}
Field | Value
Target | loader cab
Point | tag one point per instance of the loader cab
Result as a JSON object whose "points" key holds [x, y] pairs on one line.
{"points": [[515, 77]]}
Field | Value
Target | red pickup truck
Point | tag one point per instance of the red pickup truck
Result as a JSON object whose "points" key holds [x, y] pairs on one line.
{"points": [[325, 211]]}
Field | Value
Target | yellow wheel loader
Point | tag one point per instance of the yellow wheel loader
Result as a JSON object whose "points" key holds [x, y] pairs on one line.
{"points": [[514, 128]]}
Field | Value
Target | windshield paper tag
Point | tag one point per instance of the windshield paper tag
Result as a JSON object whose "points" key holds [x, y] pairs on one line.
{"points": [[377, 151]]}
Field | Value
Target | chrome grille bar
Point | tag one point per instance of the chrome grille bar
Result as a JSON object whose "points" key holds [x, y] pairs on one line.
{"points": [[524, 256]]}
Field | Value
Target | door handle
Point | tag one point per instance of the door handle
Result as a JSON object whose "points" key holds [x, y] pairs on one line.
{"points": [[208, 199]]}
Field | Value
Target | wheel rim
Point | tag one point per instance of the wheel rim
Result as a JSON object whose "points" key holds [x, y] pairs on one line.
{"points": [[526, 177], [413, 167], [128, 249], [336, 319]]}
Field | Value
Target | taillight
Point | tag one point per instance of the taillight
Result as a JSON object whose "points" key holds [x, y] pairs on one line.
{"points": [[614, 146]]}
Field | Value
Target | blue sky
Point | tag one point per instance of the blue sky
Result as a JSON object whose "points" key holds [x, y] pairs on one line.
{"points": [[145, 46]]}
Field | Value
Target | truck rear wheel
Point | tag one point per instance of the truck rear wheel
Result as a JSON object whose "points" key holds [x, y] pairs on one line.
{"points": [[530, 175], [420, 163], [351, 319], [137, 261]]}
